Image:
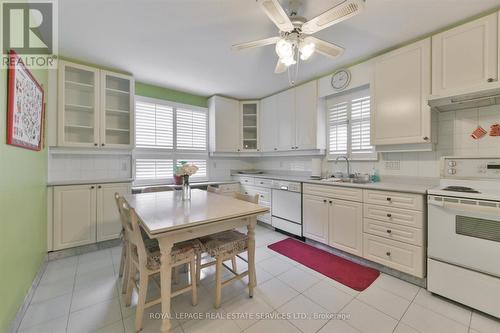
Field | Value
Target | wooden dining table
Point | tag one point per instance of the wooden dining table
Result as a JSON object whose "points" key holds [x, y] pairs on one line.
{"points": [[169, 219]]}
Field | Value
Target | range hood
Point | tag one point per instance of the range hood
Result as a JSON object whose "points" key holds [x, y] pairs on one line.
{"points": [[485, 96]]}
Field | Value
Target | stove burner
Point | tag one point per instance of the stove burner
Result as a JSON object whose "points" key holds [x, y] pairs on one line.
{"points": [[460, 189]]}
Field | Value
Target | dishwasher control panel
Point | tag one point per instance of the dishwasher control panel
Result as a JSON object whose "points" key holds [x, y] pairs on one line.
{"points": [[287, 186]]}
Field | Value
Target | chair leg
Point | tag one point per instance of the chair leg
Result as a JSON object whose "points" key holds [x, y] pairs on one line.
{"points": [[218, 282], [141, 301], [194, 287], [123, 259], [233, 262], [198, 268], [126, 273], [130, 283]]}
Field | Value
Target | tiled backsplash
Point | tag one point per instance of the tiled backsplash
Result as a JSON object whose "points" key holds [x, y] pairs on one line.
{"points": [[454, 138], [81, 167]]}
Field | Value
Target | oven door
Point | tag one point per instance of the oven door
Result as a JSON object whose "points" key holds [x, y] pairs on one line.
{"points": [[465, 232]]}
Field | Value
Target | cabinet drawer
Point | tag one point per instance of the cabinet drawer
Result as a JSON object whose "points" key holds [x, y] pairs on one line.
{"points": [[394, 199], [409, 218], [400, 256], [336, 192], [246, 180], [263, 182], [393, 231], [263, 193]]}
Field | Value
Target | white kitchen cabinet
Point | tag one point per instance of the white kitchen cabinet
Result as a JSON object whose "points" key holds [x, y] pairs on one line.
{"points": [[465, 56], [268, 121], [224, 125], [108, 219], [306, 108], [400, 86], [346, 226], [285, 102], [95, 108], [117, 105], [74, 216], [315, 218], [85, 214], [249, 120]]}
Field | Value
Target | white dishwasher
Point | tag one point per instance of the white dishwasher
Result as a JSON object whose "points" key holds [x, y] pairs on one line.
{"points": [[286, 209]]}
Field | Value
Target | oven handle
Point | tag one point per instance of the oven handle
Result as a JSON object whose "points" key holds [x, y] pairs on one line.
{"points": [[465, 207]]}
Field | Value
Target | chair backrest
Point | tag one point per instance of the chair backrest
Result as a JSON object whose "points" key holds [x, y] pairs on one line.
{"points": [[120, 211], [213, 189], [155, 189], [246, 197], [133, 230]]}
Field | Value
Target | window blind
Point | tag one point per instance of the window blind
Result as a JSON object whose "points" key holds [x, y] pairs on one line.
{"points": [[191, 129], [154, 125], [153, 169], [349, 125]]}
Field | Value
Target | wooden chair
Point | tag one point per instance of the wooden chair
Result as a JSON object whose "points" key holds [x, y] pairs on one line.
{"points": [[224, 246], [213, 189], [147, 263]]}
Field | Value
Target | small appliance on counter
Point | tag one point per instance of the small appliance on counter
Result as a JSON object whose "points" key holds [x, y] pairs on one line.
{"points": [[464, 233]]}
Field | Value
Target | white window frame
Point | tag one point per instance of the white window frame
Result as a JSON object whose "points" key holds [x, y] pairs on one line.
{"points": [[171, 154], [347, 97]]}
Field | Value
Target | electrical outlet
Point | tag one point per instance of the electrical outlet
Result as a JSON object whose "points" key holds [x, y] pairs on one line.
{"points": [[392, 165]]}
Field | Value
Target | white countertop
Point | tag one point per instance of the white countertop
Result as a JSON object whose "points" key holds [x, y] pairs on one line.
{"points": [[165, 211], [418, 185], [84, 182]]}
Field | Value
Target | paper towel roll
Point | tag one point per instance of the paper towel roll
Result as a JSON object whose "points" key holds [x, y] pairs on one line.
{"points": [[316, 167]]}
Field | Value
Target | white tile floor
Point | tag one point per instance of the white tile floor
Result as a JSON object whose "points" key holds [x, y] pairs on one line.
{"points": [[82, 294]]}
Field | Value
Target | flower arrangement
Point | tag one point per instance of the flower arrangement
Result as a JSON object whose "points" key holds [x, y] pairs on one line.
{"points": [[185, 169]]}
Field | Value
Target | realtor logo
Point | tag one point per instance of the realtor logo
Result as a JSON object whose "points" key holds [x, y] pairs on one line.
{"points": [[29, 28]]}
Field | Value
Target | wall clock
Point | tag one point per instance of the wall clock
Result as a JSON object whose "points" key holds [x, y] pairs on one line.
{"points": [[341, 79]]}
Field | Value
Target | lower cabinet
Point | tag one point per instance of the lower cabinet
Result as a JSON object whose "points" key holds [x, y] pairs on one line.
{"points": [[85, 214], [338, 223]]}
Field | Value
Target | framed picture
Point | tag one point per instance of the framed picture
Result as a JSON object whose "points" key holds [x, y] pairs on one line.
{"points": [[25, 112]]}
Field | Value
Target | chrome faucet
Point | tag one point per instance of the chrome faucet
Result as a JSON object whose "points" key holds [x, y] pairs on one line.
{"points": [[347, 163]]}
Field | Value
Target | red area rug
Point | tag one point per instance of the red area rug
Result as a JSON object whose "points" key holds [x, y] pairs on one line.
{"points": [[353, 275]]}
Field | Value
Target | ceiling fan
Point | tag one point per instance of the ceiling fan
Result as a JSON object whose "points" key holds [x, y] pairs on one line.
{"points": [[294, 41]]}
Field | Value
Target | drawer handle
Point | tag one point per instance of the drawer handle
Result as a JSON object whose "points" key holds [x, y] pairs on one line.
{"points": [[389, 199], [389, 215], [246, 192], [389, 231], [388, 253], [261, 196], [325, 201], [330, 202]]}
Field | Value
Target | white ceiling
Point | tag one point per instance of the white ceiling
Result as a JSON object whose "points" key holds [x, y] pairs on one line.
{"points": [[186, 44]]}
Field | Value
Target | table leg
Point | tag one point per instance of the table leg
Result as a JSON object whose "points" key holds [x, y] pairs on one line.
{"points": [[166, 281], [252, 278]]}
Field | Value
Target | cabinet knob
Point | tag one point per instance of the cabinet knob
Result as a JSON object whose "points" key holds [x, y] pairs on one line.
{"points": [[238, 149], [388, 253], [389, 215], [99, 186], [92, 187], [330, 202], [491, 79], [102, 144], [426, 138], [95, 144], [389, 199], [389, 231], [275, 148], [325, 201]]}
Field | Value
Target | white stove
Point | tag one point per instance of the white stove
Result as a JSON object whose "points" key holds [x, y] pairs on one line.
{"points": [[464, 233]]}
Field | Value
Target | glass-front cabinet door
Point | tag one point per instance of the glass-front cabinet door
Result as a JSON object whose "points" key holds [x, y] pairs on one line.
{"points": [[78, 116], [249, 126], [117, 104]]}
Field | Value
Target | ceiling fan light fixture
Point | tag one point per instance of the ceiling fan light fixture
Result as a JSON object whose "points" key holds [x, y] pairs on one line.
{"points": [[306, 50], [284, 49], [288, 61]]}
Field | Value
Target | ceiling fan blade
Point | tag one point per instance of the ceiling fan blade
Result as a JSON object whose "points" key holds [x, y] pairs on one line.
{"points": [[256, 43], [325, 48], [344, 10], [280, 67], [277, 14]]}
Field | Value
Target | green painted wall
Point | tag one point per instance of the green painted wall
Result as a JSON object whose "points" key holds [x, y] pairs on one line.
{"points": [[23, 209], [148, 90]]}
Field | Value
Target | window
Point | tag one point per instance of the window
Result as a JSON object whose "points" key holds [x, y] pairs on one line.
{"points": [[166, 134], [349, 125]]}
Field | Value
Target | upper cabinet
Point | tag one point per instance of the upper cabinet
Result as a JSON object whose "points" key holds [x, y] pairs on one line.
{"points": [[400, 85], [292, 120], [224, 123], [95, 107], [249, 111], [466, 56]]}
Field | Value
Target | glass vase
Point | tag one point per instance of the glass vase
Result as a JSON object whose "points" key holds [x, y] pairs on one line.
{"points": [[186, 189]]}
